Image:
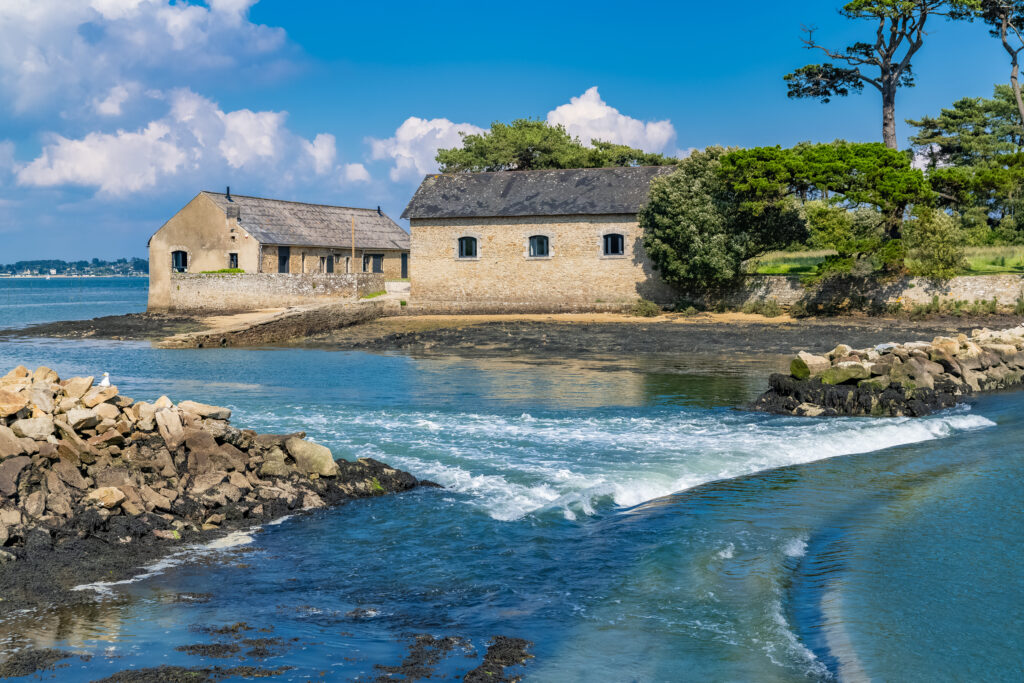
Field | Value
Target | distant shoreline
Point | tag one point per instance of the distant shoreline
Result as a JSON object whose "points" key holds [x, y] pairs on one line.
{"points": [[66, 277]]}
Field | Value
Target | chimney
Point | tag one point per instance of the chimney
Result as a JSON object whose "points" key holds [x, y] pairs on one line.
{"points": [[229, 194], [379, 212]]}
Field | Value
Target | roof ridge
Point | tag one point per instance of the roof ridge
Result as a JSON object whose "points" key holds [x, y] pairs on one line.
{"points": [[289, 201]]}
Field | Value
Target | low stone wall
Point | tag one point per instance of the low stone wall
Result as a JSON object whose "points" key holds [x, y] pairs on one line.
{"points": [[485, 308], [911, 379], [850, 292], [255, 291]]}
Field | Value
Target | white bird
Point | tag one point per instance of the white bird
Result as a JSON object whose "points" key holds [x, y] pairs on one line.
{"points": [[105, 382]]}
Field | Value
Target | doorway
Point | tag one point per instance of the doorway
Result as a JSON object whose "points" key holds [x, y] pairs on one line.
{"points": [[284, 256], [405, 266]]}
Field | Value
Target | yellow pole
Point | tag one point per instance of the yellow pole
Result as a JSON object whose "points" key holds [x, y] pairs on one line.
{"points": [[353, 244]]}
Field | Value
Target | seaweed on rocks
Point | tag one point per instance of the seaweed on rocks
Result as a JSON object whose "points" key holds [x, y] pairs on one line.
{"points": [[502, 652]]}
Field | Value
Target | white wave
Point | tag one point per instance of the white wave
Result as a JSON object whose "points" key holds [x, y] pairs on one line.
{"points": [[513, 466], [795, 547]]}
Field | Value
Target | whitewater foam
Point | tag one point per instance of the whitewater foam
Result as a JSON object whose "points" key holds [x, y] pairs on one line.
{"points": [[514, 466]]}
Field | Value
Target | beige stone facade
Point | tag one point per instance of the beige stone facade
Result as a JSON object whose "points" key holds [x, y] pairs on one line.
{"points": [[313, 260], [576, 274]]}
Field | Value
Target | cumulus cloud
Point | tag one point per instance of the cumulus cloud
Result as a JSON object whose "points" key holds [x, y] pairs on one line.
{"points": [[589, 117], [56, 53], [415, 143], [195, 138], [356, 173], [112, 103]]}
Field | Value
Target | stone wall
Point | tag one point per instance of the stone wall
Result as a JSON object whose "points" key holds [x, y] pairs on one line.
{"points": [[788, 290], [255, 291], [308, 260], [503, 277]]}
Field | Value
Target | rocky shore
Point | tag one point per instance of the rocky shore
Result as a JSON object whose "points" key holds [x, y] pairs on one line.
{"points": [[893, 380], [86, 470]]}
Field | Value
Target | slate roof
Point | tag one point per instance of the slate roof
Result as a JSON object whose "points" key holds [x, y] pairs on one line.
{"points": [[275, 221], [569, 192]]}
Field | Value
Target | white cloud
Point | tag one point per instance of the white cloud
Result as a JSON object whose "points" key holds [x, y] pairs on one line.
{"points": [[196, 139], [356, 173], [588, 117], [112, 103], [415, 143], [6, 159], [117, 164], [323, 150], [58, 53]]}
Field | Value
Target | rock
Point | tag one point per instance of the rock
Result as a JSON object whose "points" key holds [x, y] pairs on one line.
{"points": [[73, 446], [37, 428], [107, 497], [207, 411], [41, 398], [809, 410], [70, 475], [840, 351], [98, 395], [107, 411], [312, 458], [845, 372], [10, 446], [204, 482], [170, 427], [12, 402], [807, 365], [10, 469], [154, 500], [162, 403], [239, 481], [77, 387], [110, 437], [44, 374], [82, 418], [111, 477], [6, 557], [35, 504], [275, 468], [59, 504], [18, 373]]}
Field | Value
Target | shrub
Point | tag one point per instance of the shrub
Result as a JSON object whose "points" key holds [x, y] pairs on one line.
{"points": [[769, 308], [645, 309], [690, 311], [799, 310], [223, 271]]}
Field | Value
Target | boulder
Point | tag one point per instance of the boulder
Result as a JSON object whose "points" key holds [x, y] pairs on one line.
{"points": [[77, 387], [35, 504], [807, 365], [204, 482], [17, 374], [846, 372], [12, 402], [169, 425], [10, 446], [40, 396], [841, 351], [312, 458], [37, 428], [163, 403], [82, 418], [10, 469], [44, 374], [275, 468], [98, 395], [107, 411], [107, 497], [207, 411], [70, 475]]}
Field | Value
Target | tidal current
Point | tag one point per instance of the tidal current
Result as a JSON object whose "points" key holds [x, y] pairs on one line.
{"points": [[618, 512]]}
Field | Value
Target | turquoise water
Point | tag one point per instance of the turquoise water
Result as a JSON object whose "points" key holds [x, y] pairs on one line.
{"points": [[28, 301], [620, 514]]}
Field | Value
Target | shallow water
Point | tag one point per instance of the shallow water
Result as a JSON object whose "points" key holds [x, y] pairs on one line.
{"points": [[618, 513], [29, 301]]}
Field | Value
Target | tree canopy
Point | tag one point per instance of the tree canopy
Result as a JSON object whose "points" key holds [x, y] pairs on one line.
{"points": [[529, 144]]}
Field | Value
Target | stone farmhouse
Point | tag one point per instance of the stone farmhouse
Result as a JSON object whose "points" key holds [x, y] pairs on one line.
{"points": [[289, 252], [543, 241]]}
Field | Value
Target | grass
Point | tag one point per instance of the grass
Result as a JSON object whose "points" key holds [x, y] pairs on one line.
{"points": [[373, 295], [397, 279], [980, 261], [224, 271]]}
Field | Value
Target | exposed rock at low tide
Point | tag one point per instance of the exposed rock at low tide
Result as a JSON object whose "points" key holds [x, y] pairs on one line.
{"points": [[80, 461], [892, 380]]}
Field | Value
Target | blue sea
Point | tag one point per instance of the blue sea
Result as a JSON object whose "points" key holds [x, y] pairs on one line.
{"points": [[619, 513]]}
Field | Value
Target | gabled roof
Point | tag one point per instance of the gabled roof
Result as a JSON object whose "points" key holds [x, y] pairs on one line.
{"points": [[578, 191], [275, 221]]}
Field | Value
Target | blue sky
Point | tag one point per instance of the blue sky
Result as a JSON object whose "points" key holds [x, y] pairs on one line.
{"points": [[114, 113]]}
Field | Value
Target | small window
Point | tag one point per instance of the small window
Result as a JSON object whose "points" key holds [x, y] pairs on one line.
{"points": [[374, 261], [539, 246], [232, 260], [179, 261], [614, 245], [467, 247]]}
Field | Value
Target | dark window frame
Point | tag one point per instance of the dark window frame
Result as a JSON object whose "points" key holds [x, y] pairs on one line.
{"points": [[373, 263], [469, 247], [232, 259], [179, 261], [539, 246], [608, 244]]}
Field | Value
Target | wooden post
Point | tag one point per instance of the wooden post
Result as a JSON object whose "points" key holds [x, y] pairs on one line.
{"points": [[353, 244]]}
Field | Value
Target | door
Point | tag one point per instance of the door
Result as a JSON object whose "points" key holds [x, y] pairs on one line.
{"points": [[378, 263], [330, 263], [405, 266], [284, 256]]}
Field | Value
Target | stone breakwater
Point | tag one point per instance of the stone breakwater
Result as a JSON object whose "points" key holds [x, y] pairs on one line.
{"points": [[81, 461], [892, 380]]}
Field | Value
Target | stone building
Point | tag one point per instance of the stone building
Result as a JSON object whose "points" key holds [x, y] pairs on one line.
{"points": [[560, 240], [219, 231]]}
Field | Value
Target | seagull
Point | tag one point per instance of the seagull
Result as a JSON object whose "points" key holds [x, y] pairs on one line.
{"points": [[105, 382]]}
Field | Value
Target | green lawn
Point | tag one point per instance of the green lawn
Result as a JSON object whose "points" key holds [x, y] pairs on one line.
{"points": [[980, 261]]}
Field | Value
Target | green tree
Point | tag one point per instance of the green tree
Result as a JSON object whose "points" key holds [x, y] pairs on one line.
{"points": [[884, 62], [935, 245], [698, 235], [528, 144]]}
